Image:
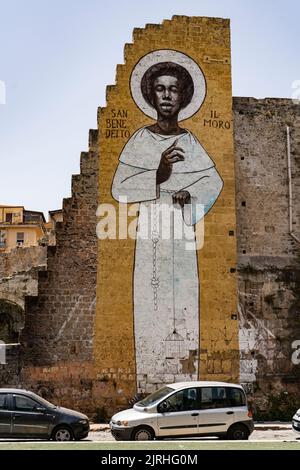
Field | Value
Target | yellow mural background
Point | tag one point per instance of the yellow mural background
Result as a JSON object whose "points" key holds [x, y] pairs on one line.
{"points": [[207, 41]]}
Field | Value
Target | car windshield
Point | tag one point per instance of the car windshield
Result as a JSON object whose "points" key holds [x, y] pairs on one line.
{"points": [[155, 396]]}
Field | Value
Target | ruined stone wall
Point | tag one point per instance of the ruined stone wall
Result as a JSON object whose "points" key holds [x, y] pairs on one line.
{"points": [[18, 278], [58, 334], [18, 273], [268, 256]]}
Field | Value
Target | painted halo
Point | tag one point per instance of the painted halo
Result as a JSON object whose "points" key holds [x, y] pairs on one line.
{"points": [[168, 55]]}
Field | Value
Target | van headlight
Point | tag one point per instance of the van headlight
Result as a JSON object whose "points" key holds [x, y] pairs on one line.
{"points": [[122, 423], [83, 421]]}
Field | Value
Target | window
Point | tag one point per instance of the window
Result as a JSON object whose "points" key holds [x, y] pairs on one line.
{"points": [[236, 397], [213, 397], [3, 401], [24, 403], [8, 217], [20, 238], [184, 400]]}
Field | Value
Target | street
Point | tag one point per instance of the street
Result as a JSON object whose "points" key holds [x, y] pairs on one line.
{"points": [[274, 436]]}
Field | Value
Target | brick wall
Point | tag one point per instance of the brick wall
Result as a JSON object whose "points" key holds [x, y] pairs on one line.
{"points": [[58, 334], [268, 256], [118, 334]]}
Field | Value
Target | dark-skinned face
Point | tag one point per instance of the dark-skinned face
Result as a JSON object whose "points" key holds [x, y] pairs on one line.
{"points": [[167, 96]]}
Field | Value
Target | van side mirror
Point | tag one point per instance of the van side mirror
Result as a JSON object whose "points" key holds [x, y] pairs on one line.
{"points": [[164, 407]]}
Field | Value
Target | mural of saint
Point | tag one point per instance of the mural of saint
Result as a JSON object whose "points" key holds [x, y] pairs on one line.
{"points": [[165, 165]]}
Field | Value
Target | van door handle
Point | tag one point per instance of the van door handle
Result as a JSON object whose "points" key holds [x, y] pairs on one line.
{"points": [[16, 416], [230, 413], [195, 414]]}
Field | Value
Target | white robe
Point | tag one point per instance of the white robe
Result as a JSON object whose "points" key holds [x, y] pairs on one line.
{"points": [[166, 282]]}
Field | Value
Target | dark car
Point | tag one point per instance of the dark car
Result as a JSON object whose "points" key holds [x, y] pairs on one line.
{"points": [[24, 414]]}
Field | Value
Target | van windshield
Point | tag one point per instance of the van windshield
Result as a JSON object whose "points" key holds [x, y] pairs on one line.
{"points": [[155, 396]]}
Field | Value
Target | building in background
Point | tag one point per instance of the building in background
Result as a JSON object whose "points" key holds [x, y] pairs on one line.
{"points": [[54, 218], [20, 227]]}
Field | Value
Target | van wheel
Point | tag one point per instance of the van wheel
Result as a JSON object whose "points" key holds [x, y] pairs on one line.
{"points": [[62, 434], [143, 433], [238, 432]]}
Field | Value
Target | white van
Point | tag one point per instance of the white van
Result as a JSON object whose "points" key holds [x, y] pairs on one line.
{"points": [[296, 422], [187, 409]]}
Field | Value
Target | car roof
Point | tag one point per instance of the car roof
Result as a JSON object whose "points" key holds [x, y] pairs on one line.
{"points": [[179, 385], [17, 390]]}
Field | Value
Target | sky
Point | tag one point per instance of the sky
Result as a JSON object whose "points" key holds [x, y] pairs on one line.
{"points": [[57, 57]]}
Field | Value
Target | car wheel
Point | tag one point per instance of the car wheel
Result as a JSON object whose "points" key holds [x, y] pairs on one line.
{"points": [[238, 432], [62, 434], [143, 433]]}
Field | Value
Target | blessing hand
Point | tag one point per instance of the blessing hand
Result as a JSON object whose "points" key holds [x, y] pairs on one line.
{"points": [[170, 156]]}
